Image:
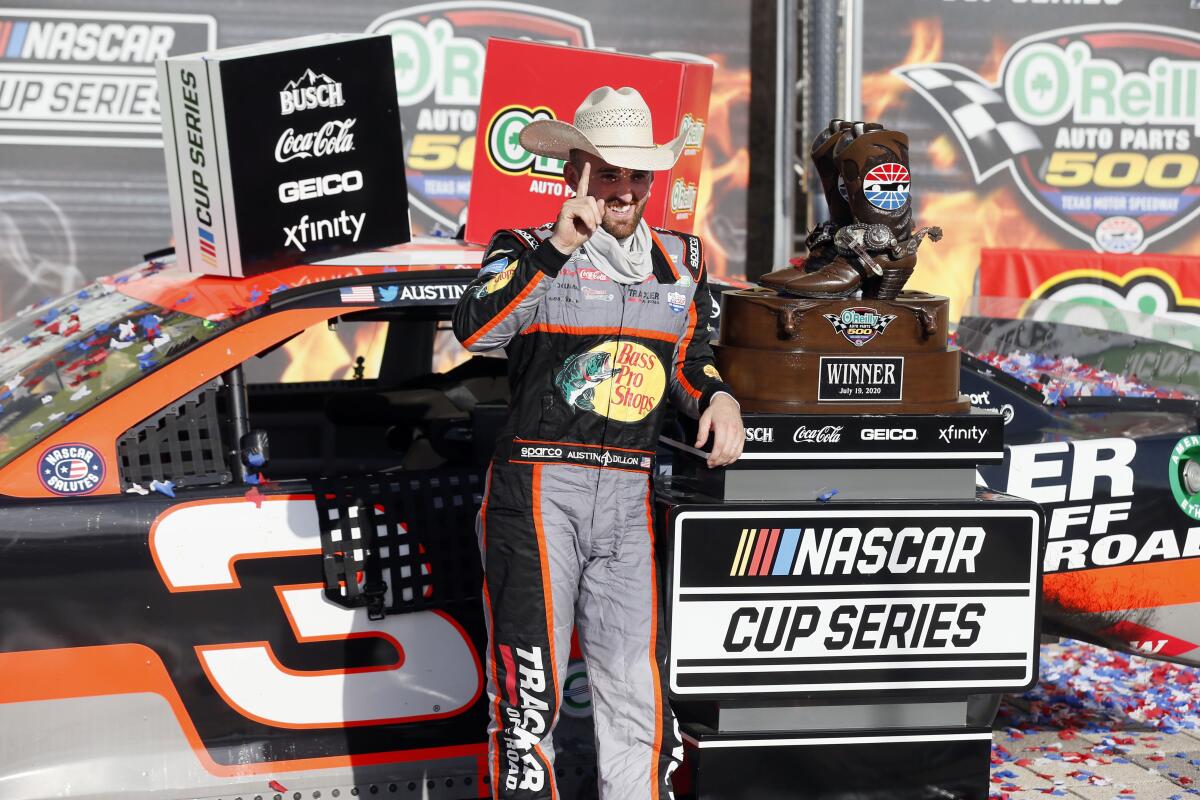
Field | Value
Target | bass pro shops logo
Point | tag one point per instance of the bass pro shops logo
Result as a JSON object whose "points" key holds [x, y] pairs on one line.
{"points": [[860, 325], [438, 54], [1097, 125], [623, 381]]}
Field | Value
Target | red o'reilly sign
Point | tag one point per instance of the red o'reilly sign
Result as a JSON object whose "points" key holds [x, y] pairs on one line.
{"points": [[283, 153]]}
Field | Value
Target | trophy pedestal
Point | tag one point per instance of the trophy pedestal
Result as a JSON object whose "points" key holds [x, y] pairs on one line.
{"points": [[803, 356], [845, 606]]}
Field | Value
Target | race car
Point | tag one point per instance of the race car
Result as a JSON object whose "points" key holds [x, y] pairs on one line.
{"points": [[187, 608], [219, 584], [1101, 430]]}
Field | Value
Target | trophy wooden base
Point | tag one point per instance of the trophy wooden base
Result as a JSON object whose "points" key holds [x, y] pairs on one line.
{"points": [[797, 355]]}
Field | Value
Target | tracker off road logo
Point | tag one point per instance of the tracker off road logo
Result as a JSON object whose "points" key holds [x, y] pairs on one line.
{"points": [[860, 325], [1097, 124], [438, 54], [624, 381]]}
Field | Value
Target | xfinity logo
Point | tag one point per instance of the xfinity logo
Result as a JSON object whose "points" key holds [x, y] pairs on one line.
{"points": [[957, 434], [309, 231], [309, 91], [324, 186], [829, 434], [764, 435], [889, 434]]}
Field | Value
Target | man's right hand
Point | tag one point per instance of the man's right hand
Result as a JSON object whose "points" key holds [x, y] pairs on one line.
{"points": [[578, 218]]}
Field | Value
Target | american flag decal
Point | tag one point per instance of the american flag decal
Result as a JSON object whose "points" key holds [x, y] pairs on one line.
{"points": [[357, 294]]}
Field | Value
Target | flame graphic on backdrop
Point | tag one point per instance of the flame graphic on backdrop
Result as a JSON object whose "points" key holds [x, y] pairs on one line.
{"points": [[972, 219], [725, 173]]}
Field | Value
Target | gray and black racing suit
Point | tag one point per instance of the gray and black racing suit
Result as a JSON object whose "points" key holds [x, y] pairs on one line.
{"points": [[566, 526]]}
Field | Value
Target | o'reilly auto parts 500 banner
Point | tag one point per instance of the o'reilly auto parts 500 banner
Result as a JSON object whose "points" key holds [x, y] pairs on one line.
{"points": [[1037, 125], [79, 122]]}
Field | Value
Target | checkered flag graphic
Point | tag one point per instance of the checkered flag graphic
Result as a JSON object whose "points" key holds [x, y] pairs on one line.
{"points": [[989, 132]]}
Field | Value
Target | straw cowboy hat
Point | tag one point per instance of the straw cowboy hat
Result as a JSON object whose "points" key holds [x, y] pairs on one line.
{"points": [[612, 124]]}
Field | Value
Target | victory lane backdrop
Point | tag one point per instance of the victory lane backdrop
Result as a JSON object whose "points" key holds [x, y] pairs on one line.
{"points": [[72, 211], [1040, 125]]}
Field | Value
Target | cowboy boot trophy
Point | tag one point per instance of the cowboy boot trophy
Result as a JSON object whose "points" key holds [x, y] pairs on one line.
{"points": [[820, 239], [877, 252]]}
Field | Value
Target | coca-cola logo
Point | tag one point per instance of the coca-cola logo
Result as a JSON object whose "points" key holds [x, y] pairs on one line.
{"points": [[829, 434], [332, 137]]}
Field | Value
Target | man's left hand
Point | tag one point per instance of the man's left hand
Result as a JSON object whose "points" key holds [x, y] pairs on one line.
{"points": [[723, 418]]}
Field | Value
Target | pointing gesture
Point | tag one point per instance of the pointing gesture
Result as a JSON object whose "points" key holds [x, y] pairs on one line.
{"points": [[578, 218]]}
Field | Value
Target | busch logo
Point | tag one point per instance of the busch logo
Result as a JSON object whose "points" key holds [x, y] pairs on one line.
{"points": [[1096, 123], [310, 91], [763, 435], [332, 137], [860, 325], [683, 196], [829, 434]]}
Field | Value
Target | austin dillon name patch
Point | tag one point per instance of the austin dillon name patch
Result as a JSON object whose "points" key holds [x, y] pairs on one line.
{"points": [[861, 379], [854, 599]]}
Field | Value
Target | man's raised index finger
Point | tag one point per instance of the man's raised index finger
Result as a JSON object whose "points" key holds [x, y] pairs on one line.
{"points": [[582, 189]]}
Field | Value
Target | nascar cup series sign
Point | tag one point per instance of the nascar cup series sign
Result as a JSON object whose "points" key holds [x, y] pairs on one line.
{"points": [[1096, 124], [848, 599], [283, 153]]}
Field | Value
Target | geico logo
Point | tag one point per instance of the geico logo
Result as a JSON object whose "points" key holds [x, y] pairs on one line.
{"points": [[309, 188], [541, 452], [760, 434], [889, 434]]}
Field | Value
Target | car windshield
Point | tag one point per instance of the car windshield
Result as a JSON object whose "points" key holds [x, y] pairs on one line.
{"points": [[61, 358]]}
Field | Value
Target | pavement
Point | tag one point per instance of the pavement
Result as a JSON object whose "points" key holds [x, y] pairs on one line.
{"points": [[1100, 725]]}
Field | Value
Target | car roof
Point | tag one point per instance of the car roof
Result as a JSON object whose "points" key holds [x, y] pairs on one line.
{"points": [[424, 260]]}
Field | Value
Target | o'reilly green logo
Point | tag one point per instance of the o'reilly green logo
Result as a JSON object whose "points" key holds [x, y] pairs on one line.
{"points": [[1185, 475], [504, 146]]}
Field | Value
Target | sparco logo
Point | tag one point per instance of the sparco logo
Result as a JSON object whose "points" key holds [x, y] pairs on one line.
{"points": [[311, 90], [1096, 124], [332, 137], [439, 52], [764, 435], [541, 452], [830, 434]]}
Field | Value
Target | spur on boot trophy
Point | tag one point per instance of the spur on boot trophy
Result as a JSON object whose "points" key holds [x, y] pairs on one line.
{"points": [[852, 340]]}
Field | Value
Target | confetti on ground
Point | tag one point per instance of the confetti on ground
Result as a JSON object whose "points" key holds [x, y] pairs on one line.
{"points": [[1100, 725]]}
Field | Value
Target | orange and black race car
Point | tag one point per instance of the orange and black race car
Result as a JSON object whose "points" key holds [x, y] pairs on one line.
{"points": [[186, 605], [221, 578]]}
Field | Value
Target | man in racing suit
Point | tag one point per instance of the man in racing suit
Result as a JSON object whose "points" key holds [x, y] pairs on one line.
{"points": [[566, 525]]}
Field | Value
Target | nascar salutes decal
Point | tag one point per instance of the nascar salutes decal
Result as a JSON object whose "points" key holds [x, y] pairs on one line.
{"points": [[439, 53], [1097, 125], [860, 325], [886, 186], [71, 469], [623, 381]]}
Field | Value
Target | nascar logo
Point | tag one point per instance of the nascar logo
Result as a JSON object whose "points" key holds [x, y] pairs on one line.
{"points": [[886, 186]]}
